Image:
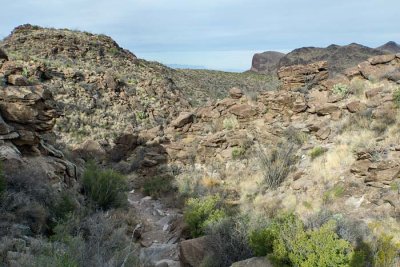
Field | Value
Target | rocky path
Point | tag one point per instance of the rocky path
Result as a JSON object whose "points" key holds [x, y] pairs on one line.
{"points": [[159, 231]]}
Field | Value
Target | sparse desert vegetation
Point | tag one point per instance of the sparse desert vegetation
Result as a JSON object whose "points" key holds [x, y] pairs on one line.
{"points": [[110, 160]]}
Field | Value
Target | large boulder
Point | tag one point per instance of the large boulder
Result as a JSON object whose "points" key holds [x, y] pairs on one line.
{"points": [[243, 111], [123, 144], [152, 255], [17, 80], [235, 93], [183, 119], [194, 251]]}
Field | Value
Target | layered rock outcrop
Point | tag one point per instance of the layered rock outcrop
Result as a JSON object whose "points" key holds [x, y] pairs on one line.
{"points": [[297, 76], [28, 114]]}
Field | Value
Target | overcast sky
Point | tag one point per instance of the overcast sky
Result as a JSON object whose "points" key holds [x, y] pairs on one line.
{"points": [[218, 34]]}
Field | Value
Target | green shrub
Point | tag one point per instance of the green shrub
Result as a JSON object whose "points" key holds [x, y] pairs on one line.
{"points": [[157, 186], [335, 192], [396, 97], [238, 152], [261, 241], [287, 243], [106, 188], [340, 89], [230, 123], [200, 213], [310, 248], [64, 206], [386, 252], [316, 152], [362, 255]]}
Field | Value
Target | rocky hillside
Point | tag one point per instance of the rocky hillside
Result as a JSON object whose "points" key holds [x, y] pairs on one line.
{"points": [[338, 57], [202, 86], [105, 89], [220, 167]]}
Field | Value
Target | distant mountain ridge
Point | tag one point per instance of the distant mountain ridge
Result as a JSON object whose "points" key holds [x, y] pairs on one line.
{"points": [[338, 57], [391, 47]]}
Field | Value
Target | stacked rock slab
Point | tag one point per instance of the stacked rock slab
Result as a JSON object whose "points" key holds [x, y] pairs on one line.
{"points": [[297, 76], [27, 112]]}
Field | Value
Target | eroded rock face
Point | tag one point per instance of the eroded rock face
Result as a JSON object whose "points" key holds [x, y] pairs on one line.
{"points": [[26, 114], [297, 76], [266, 62]]}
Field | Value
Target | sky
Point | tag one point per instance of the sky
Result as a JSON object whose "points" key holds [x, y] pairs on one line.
{"points": [[215, 34]]}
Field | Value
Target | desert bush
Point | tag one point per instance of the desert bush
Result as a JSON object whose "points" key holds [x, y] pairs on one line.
{"points": [[349, 229], [295, 136], [228, 241], [21, 208], [354, 231], [340, 89], [261, 241], [230, 123], [357, 86], [316, 152], [200, 213], [385, 119], [335, 192], [307, 248], [362, 255], [396, 97], [157, 186], [106, 188], [277, 163], [288, 243], [385, 251], [238, 152], [98, 239], [64, 206]]}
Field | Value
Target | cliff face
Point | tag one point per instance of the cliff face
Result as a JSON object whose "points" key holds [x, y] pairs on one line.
{"points": [[266, 62]]}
